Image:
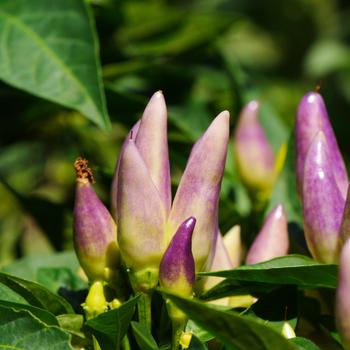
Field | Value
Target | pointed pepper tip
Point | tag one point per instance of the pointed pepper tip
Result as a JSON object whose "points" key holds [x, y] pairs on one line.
{"points": [[253, 105], [157, 97], [221, 123], [311, 98], [278, 211], [225, 115], [190, 223], [158, 93]]}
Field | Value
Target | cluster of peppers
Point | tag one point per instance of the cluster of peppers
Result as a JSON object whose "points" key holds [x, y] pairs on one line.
{"points": [[156, 241]]}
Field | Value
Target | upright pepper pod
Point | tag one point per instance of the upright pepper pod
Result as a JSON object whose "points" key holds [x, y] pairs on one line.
{"points": [[323, 203], [177, 268], [254, 157], [312, 117], [95, 232], [272, 241]]}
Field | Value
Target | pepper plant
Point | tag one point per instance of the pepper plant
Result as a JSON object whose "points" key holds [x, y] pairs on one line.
{"points": [[240, 243]]}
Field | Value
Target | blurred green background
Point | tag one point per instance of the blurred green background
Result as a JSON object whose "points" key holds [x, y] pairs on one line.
{"points": [[206, 56]]}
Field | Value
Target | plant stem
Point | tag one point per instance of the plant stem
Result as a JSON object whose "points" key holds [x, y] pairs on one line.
{"points": [[126, 343], [144, 310], [95, 344]]}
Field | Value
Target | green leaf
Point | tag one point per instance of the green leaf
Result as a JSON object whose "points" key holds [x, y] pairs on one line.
{"points": [[230, 287], [110, 327], [143, 337], [291, 269], [7, 294], [49, 48], [43, 315], [36, 295], [197, 344], [181, 30], [285, 189], [21, 331], [304, 344], [326, 57], [200, 333], [55, 278], [234, 330], [28, 267]]}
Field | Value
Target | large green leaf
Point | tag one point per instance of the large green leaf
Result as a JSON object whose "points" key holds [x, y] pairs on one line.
{"points": [[49, 48], [110, 327], [234, 330], [36, 295], [291, 269], [43, 315], [21, 331]]}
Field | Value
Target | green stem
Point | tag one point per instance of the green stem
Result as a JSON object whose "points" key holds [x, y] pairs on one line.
{"points": [[144, 310], [95, 344], [126, 343]]}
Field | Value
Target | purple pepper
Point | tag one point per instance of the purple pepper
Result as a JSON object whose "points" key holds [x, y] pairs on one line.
{"points": [[95, 231], [199, 190], [254, 157], [312, 117], [177, 268], [272, 241], [323, 203]]}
